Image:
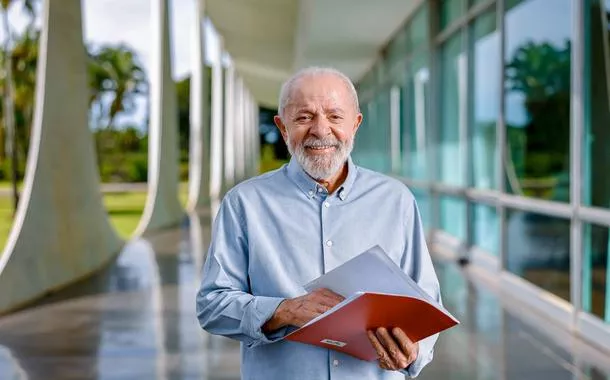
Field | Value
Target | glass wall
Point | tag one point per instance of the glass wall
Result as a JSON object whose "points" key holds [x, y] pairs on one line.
{"points": [[485, 76], [415, 120], [451, 10], [485, 99], [538, 250], [452, 129], [596, 280], [453, 220], [597, 105], [537, 101], [486, 231], [423, 203]]}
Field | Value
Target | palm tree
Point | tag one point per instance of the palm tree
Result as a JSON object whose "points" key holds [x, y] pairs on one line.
{"points": [[116, 72], [9, 107], [25, 59], [115, 76]]}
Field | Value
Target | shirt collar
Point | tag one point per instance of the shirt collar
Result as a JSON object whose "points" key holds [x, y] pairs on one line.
{"points": [[310, 187]]}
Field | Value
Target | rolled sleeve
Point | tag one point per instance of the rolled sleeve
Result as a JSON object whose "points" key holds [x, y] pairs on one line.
{"points": [[425, 356], [225, 305], [262, 310]]}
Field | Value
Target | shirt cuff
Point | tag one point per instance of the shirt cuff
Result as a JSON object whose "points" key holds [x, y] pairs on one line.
{"points": [[425, 356], [263, 309]]}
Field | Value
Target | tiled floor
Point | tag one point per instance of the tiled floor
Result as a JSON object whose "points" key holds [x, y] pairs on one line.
{"points": [[136, 320]]}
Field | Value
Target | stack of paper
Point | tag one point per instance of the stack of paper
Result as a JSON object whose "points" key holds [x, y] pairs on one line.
{"points": [[377, 294]]}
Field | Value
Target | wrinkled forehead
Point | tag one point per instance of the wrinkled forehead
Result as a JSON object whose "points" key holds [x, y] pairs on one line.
{"points": [[320, 92]]}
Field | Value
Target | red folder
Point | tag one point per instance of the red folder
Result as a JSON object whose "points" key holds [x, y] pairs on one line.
{"points": [[345, 328]]}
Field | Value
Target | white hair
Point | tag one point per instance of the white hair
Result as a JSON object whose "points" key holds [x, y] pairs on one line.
{"points": [[287, 87]]}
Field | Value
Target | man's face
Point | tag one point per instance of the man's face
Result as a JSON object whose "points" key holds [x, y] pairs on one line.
{"points": [[319, 124]]}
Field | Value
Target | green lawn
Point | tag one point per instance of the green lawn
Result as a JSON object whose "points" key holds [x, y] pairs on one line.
{"points": [[125, 210]]}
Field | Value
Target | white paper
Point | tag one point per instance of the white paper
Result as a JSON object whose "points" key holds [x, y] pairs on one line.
{"points": [[373, 272]]}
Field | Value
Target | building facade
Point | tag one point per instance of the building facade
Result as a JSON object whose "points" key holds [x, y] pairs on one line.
{"points": [[496, 114]]}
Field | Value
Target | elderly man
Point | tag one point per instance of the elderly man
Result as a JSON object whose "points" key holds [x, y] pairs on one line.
{"points": [[278, 231]]}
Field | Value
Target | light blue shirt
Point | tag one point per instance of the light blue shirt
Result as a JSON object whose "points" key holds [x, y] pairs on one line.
{"points": [[278, 231]]}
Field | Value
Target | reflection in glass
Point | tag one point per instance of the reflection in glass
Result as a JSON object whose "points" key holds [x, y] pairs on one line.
{"points": [[372, 145], [453, 216], [414, 115], [597, 105], [419, 27], [423, 204], [537, 84], [596, 283], [453, 129], [379, 134], [485, 76], [486, 228], [538, 248], [451, 10]]}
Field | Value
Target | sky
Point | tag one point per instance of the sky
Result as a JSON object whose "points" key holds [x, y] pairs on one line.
{"points": [[128, 22]]}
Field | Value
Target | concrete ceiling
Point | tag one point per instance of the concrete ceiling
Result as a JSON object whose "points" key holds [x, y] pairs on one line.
{"points": [[270, 39]]}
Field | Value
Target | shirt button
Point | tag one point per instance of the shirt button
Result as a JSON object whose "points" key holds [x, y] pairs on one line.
{"points": [[310, 193], [336, 363], [326, 204], [320, 190], [329, 243]]}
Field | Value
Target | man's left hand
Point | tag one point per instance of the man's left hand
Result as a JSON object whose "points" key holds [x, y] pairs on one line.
{"points": [[396, 351]]}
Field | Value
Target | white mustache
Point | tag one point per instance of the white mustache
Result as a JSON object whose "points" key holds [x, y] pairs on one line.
{"points": [[317, 143]]}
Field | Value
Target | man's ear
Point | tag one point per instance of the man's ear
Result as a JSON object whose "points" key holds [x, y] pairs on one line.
{"points": [[358, 122], [281, 126]]}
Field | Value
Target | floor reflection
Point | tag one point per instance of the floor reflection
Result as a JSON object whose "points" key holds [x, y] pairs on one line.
{"points": [[136, 320]]}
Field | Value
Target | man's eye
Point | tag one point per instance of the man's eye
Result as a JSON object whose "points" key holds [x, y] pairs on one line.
{"points": [[335, 117], [303, 118]]}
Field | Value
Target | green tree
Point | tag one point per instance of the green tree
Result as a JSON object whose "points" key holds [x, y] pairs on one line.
{"points": [[541, 72], [9, 90], [116, 76]]}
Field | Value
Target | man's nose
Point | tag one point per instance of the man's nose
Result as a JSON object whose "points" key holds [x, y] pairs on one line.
{"points": [[320, 127]]}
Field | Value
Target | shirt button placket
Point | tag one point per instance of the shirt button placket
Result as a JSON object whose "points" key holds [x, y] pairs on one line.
{"points": [[327, 243]]}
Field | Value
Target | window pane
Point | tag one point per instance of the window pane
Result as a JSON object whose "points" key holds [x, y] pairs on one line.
{"points": [[486, 229], [419, 28], [451, 10], [537, 88], [415, 119], [423, 203], [597, 126], [485, 74], [452, 129], [373, 137], [596, 284], [475, 2], [538, 248], [453, 216], [398, 48], [380, 134]]}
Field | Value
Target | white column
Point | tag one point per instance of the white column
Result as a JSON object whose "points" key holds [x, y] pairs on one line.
{"points": [[253, 133], [247, 133], [239, 130], [199, 150], [61, 232], [216, 174], [162, 205], [229, 128], [257, 147]]}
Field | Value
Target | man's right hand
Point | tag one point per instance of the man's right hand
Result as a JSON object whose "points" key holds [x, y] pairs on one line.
{"points": [[300, 310]]}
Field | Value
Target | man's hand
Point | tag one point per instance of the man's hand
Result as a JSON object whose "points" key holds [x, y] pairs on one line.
{"points": [[300, 310], [396, 351]]}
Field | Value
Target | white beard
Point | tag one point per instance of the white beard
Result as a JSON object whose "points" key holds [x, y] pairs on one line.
{"points": [[322, 167]]}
